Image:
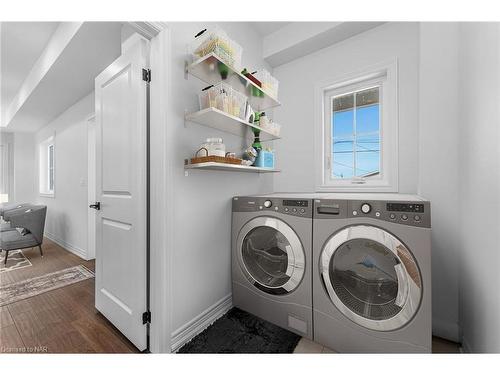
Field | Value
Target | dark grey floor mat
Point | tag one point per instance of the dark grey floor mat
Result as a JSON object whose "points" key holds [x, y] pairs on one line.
{"points": [[240, 332]]}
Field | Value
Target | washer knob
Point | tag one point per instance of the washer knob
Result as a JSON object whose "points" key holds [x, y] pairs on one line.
{"points": [[268, 204], [366, 208]]}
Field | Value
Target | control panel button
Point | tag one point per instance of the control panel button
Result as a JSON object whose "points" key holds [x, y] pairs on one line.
{"points": [[392, 216], [417, 218], [366, 208], [287, 209], [276, 208], [404, 217], [268, 204], [302, 210], [377, 214], [294, 209], [355, 213]]}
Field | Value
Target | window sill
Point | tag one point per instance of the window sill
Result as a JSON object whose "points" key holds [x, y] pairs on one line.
{"points": [[47, 195], [355, 188]]}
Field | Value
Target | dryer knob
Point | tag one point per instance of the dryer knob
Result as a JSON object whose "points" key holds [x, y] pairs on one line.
{"points": [[366, 208], [268, 204]]}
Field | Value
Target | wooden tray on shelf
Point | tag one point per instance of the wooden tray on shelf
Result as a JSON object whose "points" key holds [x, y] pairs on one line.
{"points": [[215, 159]]}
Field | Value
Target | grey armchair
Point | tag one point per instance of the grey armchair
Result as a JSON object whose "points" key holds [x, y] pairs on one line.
{"points": [[33, 219]]}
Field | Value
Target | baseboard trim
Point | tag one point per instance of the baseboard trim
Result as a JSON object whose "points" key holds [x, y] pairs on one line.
{"points": [[189, 330], [445, 329], [67, 246], [465, 348]]}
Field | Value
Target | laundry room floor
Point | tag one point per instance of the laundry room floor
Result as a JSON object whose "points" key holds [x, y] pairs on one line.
{"points": [[439, 346]]}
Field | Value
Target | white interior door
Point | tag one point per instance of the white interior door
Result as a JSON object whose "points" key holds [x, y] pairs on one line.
{"points": [[121, 120]]}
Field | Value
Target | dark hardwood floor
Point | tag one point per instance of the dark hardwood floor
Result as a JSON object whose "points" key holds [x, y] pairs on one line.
{"points": [[60, 321]]}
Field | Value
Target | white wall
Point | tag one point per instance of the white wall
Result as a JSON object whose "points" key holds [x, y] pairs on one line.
{"points": [[201, 271], [479, 185], [439, 170], [67, 211], [24, 168], [6, 167], [295, 153]]}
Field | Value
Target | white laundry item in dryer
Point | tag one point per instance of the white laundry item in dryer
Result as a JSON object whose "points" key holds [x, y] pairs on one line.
{"points": [[372, 273], [271, 260]]}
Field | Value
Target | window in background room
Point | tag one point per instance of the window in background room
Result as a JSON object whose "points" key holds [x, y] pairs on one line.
{"points": [[5, 166], [51, 168], [47, 167], [359, 132]]}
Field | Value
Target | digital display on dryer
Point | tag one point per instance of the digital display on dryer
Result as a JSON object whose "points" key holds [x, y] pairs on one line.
{"points": [[405, 207], [295, 203]]}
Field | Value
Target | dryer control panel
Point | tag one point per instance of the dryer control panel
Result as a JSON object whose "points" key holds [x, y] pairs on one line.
{"points": [[406, 213], [287, 206]]}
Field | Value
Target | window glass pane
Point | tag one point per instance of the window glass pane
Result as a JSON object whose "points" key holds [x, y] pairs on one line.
{"points": [[356, 120], [51, 167], [368, 133], [343, 161], [343, 136]]}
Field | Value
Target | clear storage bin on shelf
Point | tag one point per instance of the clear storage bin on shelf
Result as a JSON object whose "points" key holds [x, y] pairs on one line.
{"points": [[272, 128], [269, 83], [224, 98], [217, 41]]}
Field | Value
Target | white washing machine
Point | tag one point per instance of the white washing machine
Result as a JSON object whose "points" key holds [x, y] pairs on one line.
{"points": [[372, 273], [271, 260]]}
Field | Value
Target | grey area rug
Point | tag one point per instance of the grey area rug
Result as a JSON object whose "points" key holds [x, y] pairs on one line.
{"points": [[240, 332], [20, 290], [15, 261]]}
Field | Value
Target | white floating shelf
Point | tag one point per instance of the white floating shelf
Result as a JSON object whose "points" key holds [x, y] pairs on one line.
{"points": [[217, 119], [206, 70], [229, 167]]}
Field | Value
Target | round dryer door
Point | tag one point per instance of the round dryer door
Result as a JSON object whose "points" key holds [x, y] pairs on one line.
{"points": [[271, 255], [371, 277]]}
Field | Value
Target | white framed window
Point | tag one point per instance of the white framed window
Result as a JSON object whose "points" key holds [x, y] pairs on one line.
{"points": [[47, 167], [356, 131]]}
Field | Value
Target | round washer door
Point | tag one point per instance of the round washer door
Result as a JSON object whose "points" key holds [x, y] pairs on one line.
{"points": [[271, 255], [371, 277]]}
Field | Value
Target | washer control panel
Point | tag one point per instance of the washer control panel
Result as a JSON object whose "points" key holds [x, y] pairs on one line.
{"points": [[294, 207], [406, 213]]}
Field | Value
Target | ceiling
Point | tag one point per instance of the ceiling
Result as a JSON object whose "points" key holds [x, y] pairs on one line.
{"points": [[21, 45], [266, 28], [77, 53]]}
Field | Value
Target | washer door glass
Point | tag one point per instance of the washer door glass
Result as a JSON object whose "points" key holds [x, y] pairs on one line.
{"points": [[371, 277], [272, 255], [265, 256]]}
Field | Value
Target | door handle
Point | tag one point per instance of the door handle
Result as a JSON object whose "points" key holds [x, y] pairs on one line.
{"points": [[96, 206]]}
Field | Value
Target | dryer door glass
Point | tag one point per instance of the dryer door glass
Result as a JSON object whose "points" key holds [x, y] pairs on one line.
{"points": [[363, 276], [371, 277], [271, 255], [265, 256]]}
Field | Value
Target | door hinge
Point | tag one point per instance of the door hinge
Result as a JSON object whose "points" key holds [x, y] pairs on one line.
{"points": [[146, 317], [146, 75]]}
